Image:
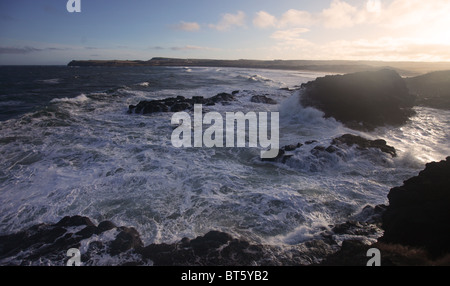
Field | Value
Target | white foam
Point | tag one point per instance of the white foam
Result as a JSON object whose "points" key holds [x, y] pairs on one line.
{"points": [[50, 81], [78, 99], [144, 84]]}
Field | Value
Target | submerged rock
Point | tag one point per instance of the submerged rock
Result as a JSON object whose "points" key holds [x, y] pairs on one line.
{"points": [[363, 100]]}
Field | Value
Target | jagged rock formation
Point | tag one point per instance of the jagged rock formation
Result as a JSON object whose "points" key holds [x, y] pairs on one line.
{"points": [[179, 103]]}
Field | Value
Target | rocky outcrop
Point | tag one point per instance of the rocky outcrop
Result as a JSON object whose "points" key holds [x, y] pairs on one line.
{"points": [[419, 211], [415, 223], [432, 89], [363, 100], [214, 248], [50, 242], [179, 103], [263, 99], [363, 143], [337, 146], [47, 244]]}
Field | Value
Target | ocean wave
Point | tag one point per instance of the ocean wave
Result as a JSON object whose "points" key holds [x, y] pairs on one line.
{"points": [[11, 103], [144, 84], [50, 81], [79, 99]]}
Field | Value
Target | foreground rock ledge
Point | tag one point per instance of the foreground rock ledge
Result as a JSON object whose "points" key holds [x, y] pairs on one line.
{"points": [[416, 224], [47, 244]]}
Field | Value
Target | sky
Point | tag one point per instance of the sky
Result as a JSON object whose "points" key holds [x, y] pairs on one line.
{"points": [[45, 32]]}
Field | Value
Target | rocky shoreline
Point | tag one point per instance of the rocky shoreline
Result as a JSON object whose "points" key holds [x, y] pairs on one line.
{"points": [[412, 230], [361, 100], [335, 66]]}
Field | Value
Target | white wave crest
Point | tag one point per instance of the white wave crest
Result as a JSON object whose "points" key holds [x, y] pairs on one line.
{"points": [[79, 99]]}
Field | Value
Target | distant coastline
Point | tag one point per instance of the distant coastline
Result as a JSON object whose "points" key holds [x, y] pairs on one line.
{"points": [[333, 66]]}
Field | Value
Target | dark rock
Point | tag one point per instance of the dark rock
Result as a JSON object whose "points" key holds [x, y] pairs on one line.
{"points": [[418, 213], [86, 232], [432, 89], [198, 99], [127, 239], [318, 150], [363, 100], [180, 106], [130, 108], [363, 143], [310, 142], [331, 149], [372, 214], [235, 92], [262, 99], [214, 248], [355, 228], [161, 254], [154, 106], [292, 147], [46, 240], [221, 97], [212, 240], [177, 104], [105, 226], [74, 221], [352, 253]]}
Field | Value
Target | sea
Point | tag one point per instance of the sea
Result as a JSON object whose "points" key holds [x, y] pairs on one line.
{"points": [[68, 146]]}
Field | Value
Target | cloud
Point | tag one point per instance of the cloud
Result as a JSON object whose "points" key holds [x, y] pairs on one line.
{"points": [[229, 21], [14, 50], [264, 20], [416, 14], [290, 34], [187, 26], [295, 18], [387, 48], [27, 50], [340, 14]]}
